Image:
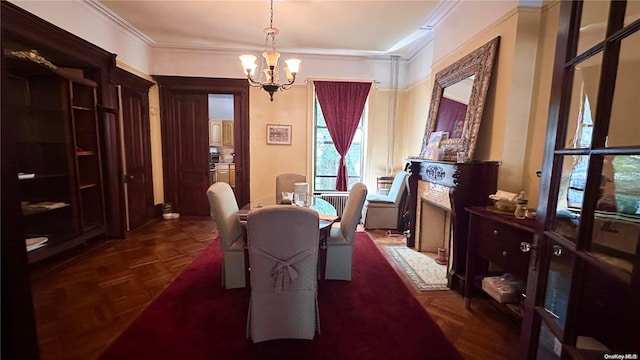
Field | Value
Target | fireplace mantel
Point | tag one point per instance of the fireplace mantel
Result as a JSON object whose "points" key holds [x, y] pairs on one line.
{"points": [[469, 184]]}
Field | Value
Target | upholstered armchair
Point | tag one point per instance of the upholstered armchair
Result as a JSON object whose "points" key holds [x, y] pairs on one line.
{"points": [[283, 253], [383, 211], [285, 182], [342, 235], [223, 210]]}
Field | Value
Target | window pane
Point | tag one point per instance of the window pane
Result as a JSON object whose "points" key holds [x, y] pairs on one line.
{"points": [[325, 184], [584, 95], [319, 116], [624, 125], [352, 181], [571, 195], [593, 24], [354, 160], [327, 158], [603, 329], [556, 298], [616, 227], [549, 347], [632, 13]]}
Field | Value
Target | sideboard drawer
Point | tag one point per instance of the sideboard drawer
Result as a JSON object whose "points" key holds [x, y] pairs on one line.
{"points": [[495, 239], [501, 245]]}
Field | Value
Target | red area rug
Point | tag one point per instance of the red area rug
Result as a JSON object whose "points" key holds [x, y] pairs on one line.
{"points": [[374, 316]]}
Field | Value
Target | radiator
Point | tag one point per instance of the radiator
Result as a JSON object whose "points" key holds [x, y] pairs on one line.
{"points": [[337, 199]]}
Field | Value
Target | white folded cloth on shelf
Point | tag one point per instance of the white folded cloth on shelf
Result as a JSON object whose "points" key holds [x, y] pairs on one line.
{"points": [[504, 195]]}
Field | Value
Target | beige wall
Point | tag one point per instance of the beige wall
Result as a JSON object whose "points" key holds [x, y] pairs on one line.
{"points": [[514, 122], [518, 104], [513, 127], [541, 94], [267, 161], [414, 111], [295, 107]]}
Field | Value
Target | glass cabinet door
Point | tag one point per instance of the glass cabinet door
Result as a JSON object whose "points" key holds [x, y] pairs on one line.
{"points": [[584, 280]]}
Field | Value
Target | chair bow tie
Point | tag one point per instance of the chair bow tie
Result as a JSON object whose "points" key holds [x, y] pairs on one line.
{"points": [[284, 273]]}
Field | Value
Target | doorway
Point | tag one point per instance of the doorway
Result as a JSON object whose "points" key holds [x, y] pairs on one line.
{"points": [[221, 145], [185, 125]]}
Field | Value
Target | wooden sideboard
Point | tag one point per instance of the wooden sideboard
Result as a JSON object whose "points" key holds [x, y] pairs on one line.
{"points": [[468, 184], [495, 237]]}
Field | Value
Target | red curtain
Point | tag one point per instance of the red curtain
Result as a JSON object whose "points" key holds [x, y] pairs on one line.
{"points": [[342, 104]]}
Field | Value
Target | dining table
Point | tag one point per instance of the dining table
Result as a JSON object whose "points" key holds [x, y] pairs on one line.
{"points": [[327, 215]]}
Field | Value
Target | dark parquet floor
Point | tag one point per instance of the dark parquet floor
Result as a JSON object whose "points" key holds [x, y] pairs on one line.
{"points": [[84, 302]]}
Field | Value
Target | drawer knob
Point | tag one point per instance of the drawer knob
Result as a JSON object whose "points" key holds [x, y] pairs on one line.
{"points": [[526, 247], [504, 253], [495, 232]]}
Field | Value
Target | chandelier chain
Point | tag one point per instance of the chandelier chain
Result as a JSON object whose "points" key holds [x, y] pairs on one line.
{"points": [[271, 19]]}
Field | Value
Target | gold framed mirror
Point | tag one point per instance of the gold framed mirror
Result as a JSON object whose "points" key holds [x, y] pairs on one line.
{"points": [[457, 104]]}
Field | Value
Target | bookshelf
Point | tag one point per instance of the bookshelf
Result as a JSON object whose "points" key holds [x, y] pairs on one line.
{"points": [[58, 155]]}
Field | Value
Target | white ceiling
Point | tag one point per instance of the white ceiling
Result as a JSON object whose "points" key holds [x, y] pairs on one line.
{"points": [[357, 27]]}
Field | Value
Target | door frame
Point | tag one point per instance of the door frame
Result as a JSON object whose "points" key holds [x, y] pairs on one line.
{"points": [[170, 86]]}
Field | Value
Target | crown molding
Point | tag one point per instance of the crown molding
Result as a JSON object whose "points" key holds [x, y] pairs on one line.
{"points": [[118, 21], [414, 43]]}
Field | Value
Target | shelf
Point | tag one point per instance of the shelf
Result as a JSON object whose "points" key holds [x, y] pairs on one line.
{"points": [[33, 209], [87, 228], [57, 148], [45, 177], [53, 249]]}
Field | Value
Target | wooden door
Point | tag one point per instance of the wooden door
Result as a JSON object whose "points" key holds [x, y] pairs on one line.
{"points": [[192, 161], [584, 276], [136, 157]]}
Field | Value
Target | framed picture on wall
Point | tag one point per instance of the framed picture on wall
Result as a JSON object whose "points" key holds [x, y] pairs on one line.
{"points": [[278, 134]]}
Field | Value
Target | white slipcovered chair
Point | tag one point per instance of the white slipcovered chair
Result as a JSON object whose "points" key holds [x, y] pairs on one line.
{"points": [[223, 210], [285, 182], [383, 211], [283, 253], [342, 236]]}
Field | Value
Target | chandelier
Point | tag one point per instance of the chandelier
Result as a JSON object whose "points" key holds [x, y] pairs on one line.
{"points": [[268, 78]]}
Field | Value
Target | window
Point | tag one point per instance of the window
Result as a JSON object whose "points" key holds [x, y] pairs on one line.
{"points": [[623, 172], [326, 157]]}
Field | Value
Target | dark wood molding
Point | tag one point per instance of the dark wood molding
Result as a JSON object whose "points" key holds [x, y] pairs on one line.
{"points": [[140, 87], [132, 81], [19, 336], [170, 86], [59, 46]]}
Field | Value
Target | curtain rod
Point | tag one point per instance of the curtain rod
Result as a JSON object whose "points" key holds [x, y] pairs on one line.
{"points": [[344, 80]]}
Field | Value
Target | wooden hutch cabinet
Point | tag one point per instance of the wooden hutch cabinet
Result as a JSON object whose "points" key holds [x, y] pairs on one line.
{"points": [[58, 156]]}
